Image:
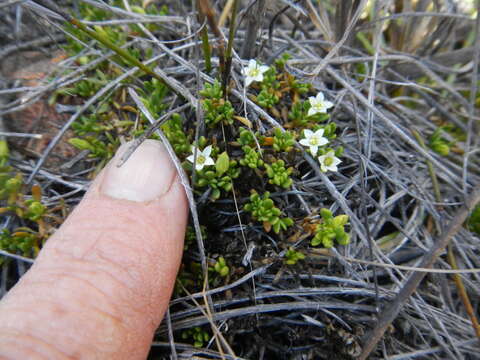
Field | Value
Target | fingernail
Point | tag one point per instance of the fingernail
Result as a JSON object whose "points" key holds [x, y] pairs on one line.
{"points": [[146, 175]]}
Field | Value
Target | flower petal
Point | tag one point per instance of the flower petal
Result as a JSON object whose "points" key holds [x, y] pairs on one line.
{"points": [[327, 104], [252, 63], [248, 81], [209, 161], [263, 68], [199, 166], [320, 97], [207, 151], [311, 111], [308, 133], [312, 100], [304, 142], [319, 132], [190, 158], [314, 149], [258, 77], [322, 141]]}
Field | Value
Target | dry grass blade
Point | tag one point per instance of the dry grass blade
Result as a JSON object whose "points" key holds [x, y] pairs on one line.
{"points": [[389, 314]]}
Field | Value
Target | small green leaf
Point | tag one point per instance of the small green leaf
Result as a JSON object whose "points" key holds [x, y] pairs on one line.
{"points": [[80, 144], [223, 163]]}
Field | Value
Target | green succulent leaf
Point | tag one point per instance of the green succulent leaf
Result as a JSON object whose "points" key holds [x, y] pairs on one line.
{"points": [[223, 163]]}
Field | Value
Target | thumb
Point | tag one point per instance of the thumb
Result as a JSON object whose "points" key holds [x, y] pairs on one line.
{"points": [[101, 284]]}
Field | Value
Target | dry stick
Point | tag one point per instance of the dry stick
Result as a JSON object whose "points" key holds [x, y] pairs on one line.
{"points": [[462, 291], [339, 44], [226, 10], [390, 313], [206, 313], [390, 124], [321, 22], [45, 40], [253, 24], [149, 132], [431, 169], [473, 96], [171, 339], [450, 255]]}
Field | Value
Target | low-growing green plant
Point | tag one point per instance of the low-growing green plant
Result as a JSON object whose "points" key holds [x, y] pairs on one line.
{"points": [[221, 267], [283, 141], [221, 179], [10, 185], [173, 129], [247, 137], [90, 124], [299, 117], [98, 148], [270, 82], [88, 86], [292, 256], [263, 209], [252, 158], [278, 174], [474, 220], [331, 230], [153, 96], [329, 130], [217, 109], [191, 237], [35, 210], [438, 143], [22, 242], [267, 99], [199, 336]]}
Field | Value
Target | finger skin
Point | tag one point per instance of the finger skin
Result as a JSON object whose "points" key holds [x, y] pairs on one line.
{"points": [[101, 284]]}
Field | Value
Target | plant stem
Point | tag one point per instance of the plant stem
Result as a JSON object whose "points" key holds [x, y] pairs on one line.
{"points": [[228, 54], [206, 51]]}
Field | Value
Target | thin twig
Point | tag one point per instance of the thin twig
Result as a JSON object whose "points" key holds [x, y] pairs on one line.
{"points": [[392, 310]]}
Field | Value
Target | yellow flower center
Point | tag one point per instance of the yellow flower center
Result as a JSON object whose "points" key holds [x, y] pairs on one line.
{"points": [[313, 141], [201, 159], [254, 72], [328, 161]]}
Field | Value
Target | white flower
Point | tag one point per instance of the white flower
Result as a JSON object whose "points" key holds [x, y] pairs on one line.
{"points": [[313, 140], [203, 157], [329, 162], [253, 72], [318, 104]]}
